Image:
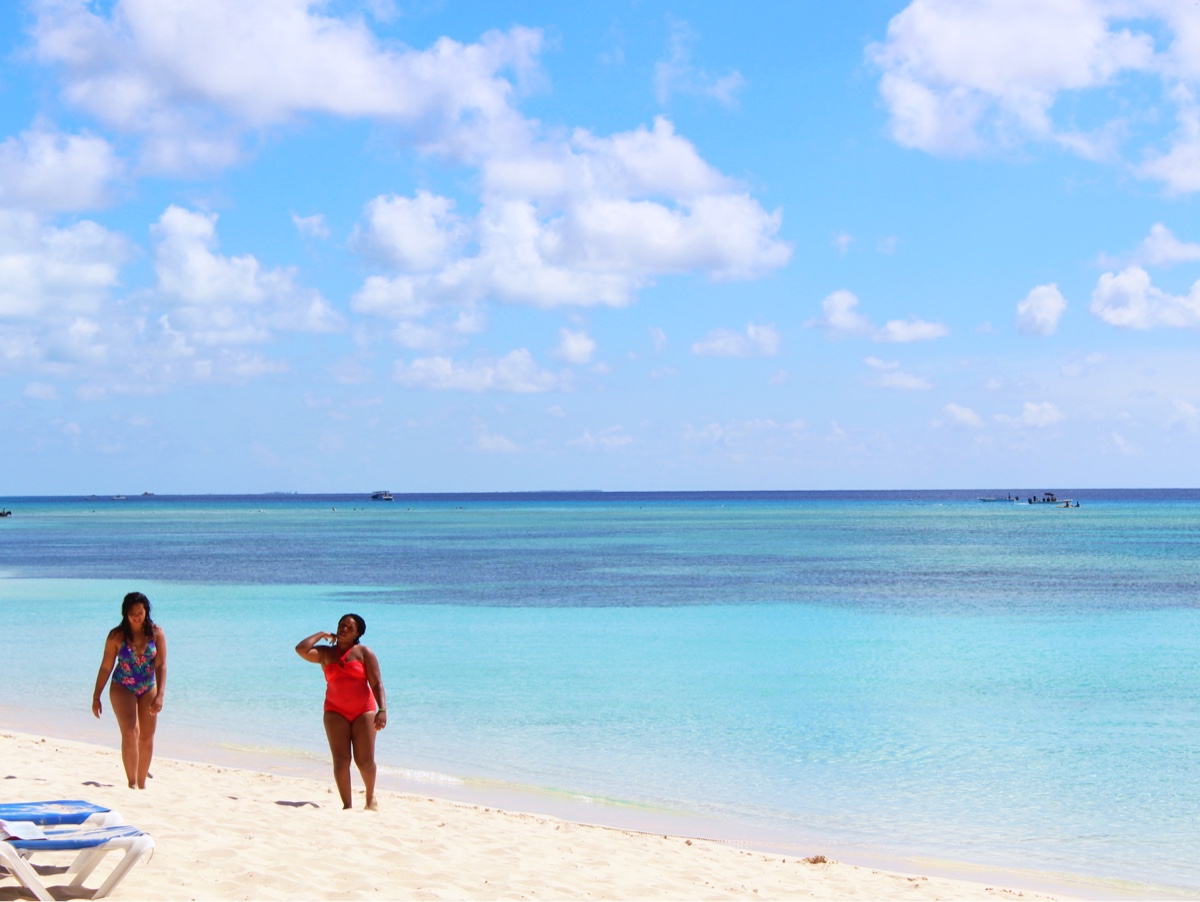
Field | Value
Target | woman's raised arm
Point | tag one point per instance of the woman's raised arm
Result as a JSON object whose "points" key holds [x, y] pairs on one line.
{"points": [[306, 648]]}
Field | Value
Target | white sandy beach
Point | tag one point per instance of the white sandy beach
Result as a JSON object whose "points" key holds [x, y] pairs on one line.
{"points": [[223, 833]]}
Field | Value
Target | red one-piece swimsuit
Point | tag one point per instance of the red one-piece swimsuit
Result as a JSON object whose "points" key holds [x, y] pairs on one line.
{"points": [[347, 691]]}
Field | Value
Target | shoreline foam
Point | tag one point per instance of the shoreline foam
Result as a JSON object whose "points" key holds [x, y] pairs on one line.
{"points": [[225, 834]]}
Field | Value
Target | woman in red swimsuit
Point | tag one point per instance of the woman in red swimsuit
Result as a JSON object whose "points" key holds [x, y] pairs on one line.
{"points": [[354, 702]]}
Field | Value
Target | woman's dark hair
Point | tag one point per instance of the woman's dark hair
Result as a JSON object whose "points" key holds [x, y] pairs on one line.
{"points": [[358, 622], [134, 598]]}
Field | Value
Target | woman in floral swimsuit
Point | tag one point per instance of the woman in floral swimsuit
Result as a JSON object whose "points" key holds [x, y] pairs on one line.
{"points": [[135, 654]]}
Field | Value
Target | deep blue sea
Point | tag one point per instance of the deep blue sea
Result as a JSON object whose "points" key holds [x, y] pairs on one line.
{"points": [[871, 674]]}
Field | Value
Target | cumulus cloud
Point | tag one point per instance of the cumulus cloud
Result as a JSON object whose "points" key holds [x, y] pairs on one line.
{"points": [[1129, 300], [228, 300], [51, 272], [583, 221], [1179, 167], [756, 341], [963, 416], [659, 338], [1162, 248], [1125, 446], [609, 439], [962, 77], [493, 442], [414, 234], [841, 318], [1041, 310], [49, 171], [892, 376], [677, 74], [514, 372], [906, 330], [575, 347], [311, 226], [1185, 416], [440, 334], [146, 67], [1040, 415], [957, 77]]}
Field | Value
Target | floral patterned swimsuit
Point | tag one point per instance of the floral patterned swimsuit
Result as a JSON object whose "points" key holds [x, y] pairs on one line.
{"points": [[133, 671]]}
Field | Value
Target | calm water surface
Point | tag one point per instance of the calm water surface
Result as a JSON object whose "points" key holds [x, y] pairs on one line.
{"points": [[909, 673]]}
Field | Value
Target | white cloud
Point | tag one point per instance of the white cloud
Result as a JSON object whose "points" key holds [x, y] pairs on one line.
{"points": [[842, 319], [442, 333], [659, 337], [49, 272], [1179, 167], [47, 170], [609, 439], [228, 300], [414, 234], [907, 330], [1162, 248], [756, 341], [842, 241], [964, 77], [578, 222], [739, 434], [892, 376], [311, 226], [959, 77], [493, 442], [1129, 300], [1041, 310], [677, 75], [1185, 417], [147, 67], [1040, 415], [575, 347], [963, 416], [1125, 446], [840, 315], [514, 372]]}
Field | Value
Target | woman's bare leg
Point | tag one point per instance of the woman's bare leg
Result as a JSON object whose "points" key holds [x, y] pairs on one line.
{"points": [[338, 729], [147, 724], [125, 708], [363, 738]]}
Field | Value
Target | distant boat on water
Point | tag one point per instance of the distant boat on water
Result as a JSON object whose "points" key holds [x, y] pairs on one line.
{"points": [[5, 512], [1008, 499], [381, 495], [118, 498]]}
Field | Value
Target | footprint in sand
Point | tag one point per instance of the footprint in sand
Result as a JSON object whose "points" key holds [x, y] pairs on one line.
{"points": [[297, 804]]}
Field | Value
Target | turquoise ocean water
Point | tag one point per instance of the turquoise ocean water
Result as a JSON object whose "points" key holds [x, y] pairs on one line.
{"points": [[881, 674]]}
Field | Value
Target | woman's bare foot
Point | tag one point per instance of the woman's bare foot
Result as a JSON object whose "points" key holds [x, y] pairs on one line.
{"points": [[372, 804]]}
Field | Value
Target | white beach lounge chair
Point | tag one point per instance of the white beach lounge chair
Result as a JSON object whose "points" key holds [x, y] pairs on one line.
{"points": [[92, 844], [60, 812]]}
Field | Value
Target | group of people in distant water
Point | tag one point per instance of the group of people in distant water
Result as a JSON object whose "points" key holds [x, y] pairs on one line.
{"points": [[135, 656]]}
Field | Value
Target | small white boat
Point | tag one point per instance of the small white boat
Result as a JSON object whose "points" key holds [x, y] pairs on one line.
{"points": [[381, 495]]}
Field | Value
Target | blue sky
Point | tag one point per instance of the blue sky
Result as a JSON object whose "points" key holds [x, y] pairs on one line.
{"points": [[446, 246]]}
